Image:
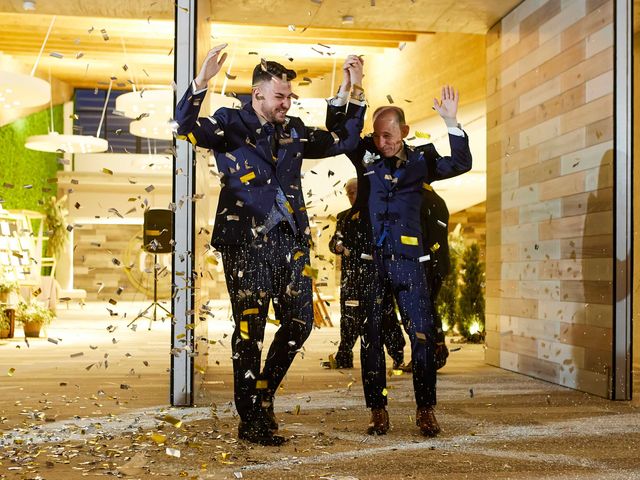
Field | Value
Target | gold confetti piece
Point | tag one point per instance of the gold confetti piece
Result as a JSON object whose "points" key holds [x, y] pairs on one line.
{"points": [[390, 98], [105, 35], [229, 76], [107, 171], [250, 311], [56, 55], [397, 372], [149, 189], [176, 422], [289, 208], [407, 240], [309, 271], [421, 337], [159, 438], [273, 321], [37, 292], [297, 255], [420, 134], [249, 176], [200, 370], [296, 410], [262, 384], [385, 392], [435, 247], [173, 452], [426, 186], [76, 355], [52, 340], [11, 372], [244, 330]]}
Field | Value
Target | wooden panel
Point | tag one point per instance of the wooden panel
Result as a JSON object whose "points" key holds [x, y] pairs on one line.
{"points": [[550, 126]]}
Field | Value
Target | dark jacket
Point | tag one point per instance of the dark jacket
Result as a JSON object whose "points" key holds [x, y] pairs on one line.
{"points": [[394, 199], [249, 175], [435, 233]]}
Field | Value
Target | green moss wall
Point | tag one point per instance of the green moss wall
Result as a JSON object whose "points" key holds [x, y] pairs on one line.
{"points": [[21, 167]]}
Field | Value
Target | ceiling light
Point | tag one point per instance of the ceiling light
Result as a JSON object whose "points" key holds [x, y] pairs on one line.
{"points": [[149, 102], [28, 91], [54, 142]]}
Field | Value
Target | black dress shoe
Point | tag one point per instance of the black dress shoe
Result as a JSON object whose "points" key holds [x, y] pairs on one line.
{"points": [[256, 431]]}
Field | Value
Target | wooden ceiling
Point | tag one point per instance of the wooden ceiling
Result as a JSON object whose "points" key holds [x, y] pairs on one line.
{"points": [[132, 41]]}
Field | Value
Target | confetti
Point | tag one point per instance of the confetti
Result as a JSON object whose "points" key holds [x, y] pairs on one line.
{"points": [[173, 452], [11, 371], [105, 35], [56, 55], [420, 134], [158, 438], [390, 98], [176, 422], [107, 171]]}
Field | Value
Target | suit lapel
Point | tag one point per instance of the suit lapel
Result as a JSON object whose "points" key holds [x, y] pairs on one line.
{"points": [[251, 121]]}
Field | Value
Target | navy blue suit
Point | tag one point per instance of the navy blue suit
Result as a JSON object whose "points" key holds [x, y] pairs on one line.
{"points": [[392, 193], [356, 282], [263, 264]]}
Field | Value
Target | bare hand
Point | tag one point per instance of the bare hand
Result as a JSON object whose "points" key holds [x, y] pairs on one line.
{"points": [[211, 65], [356, 70], [447, 107], [346, 76]]}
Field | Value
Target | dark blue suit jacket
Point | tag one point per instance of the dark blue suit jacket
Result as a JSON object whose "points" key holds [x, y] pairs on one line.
{"points": [[250, 176], [394, 200]]}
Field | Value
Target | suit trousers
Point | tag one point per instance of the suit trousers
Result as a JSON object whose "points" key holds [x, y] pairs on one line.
{"points": [[356, 285], [269, 269], [407, 280]]}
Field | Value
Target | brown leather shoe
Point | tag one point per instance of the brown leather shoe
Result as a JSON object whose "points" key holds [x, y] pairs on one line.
{"points": [[426, 421], [379, 424]]}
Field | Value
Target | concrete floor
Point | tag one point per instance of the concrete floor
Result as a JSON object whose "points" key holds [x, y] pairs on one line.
{"points": [[95, 404]]}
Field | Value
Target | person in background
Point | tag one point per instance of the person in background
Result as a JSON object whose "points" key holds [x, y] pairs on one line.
{"points": [[352, 241]]}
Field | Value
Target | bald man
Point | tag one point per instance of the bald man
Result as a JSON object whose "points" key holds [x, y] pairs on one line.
{"points": [[391, 179]]}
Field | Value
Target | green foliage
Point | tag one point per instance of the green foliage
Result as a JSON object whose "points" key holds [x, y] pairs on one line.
{"points": [[471, 302], [447, 303], [33, 312], [5, 324], [55, 225], [22, 167]]}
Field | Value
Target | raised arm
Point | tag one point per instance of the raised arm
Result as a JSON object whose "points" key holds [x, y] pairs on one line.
{"points": [[460, 159], [344, 124], [202, 131]]}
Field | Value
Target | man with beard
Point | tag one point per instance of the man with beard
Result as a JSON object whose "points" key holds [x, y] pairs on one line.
{"points": [[261, 226]]}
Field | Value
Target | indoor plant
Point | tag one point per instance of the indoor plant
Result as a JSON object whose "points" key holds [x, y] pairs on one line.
{"points": [[6, 287], [33, 316], [5, 324]]}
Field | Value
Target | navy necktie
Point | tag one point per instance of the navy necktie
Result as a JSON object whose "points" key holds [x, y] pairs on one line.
{"points": [[271, 132]]}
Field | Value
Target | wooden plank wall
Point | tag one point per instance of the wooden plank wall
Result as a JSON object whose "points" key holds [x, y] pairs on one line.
{"points": [[549, 192]]}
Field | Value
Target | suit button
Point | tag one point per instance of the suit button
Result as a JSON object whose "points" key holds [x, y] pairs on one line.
{"points": [[390, 195]]}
